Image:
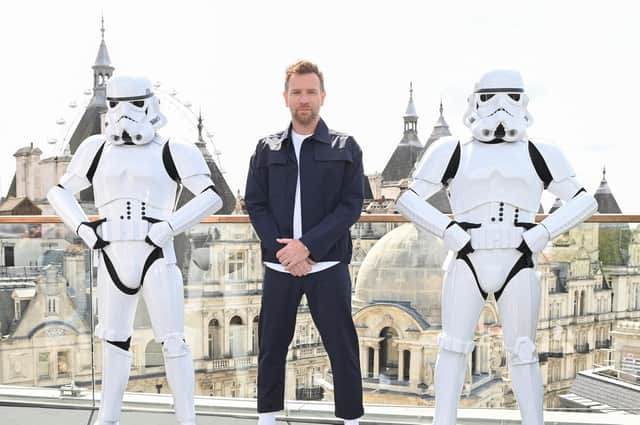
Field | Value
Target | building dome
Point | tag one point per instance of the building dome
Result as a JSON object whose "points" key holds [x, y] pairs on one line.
{"points": [[404, 267]]}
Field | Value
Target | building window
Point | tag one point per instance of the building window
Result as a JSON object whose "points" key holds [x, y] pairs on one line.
{"points": [[52, 305], [213, 339], [232, 389], [236, 337], [611, 309], [9, 257], [63, 363], [254, 336], [555, 374], [17, 309], [236, 265], [43, 365]]}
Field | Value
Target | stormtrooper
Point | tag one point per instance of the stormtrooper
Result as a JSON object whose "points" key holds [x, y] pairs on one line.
{"points": [[494, 182], [136, 174]]}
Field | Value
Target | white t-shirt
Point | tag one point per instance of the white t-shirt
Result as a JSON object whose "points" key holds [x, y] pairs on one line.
{"points": [[297, 140]]}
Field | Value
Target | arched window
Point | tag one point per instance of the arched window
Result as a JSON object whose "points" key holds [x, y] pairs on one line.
{"points": [[213, 339], [236, 337], [388, 353]]}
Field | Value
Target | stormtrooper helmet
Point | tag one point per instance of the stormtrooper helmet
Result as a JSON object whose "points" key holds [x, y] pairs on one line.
{"points": [[497, 109], [133, 113]]}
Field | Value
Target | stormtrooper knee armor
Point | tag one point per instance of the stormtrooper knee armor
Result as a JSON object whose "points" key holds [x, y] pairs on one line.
{"points": [[136, 174], [495, 182]]}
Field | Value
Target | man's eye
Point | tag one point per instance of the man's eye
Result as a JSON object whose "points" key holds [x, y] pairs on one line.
{"points": [[485, 97]]}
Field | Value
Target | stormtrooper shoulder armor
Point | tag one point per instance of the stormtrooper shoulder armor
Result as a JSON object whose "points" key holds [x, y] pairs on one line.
{"points": [[186, 159], [84, 163], [550, 163], [440, 162]]}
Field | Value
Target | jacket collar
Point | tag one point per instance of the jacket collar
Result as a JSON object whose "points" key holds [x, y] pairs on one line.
{"points": [[321, 133]]}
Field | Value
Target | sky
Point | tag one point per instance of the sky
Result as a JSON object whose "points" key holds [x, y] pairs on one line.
{"points": [[579, 61]]}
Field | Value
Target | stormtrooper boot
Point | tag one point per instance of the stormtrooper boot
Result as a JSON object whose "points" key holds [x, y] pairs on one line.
{"points": [[527, 386], [116, 364], [449, 378], [178, 364]]}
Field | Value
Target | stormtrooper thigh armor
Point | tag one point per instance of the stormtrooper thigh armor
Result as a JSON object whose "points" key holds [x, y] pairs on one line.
{"points": [[494, 183]]}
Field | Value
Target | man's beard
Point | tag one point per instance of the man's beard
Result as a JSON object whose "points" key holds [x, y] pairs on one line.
{"points": [[305, 119]]}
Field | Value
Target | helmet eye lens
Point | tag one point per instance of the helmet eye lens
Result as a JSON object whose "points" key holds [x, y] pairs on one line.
{"points": [[113, 104], [485, 97], [138, 103], [515, 96]]}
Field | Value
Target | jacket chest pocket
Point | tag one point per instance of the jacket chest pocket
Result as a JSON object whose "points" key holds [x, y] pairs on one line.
{"points": [[280, 175], [332, 164]]}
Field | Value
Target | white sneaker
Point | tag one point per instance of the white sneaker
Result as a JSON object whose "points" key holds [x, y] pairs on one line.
{"points": [[267, 418]]}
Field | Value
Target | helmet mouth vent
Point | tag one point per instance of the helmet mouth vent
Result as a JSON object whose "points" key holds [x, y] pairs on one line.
{"points": [[499, 133]]}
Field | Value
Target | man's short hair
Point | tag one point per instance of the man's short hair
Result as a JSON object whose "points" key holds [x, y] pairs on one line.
{"points": [[303, 67]]}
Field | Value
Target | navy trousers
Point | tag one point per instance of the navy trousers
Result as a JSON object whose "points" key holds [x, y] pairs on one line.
{"points": [[328, 293]]}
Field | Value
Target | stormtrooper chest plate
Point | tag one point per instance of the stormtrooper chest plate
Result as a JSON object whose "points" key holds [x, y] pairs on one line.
{"points": [[501, 172], [134, 172]]}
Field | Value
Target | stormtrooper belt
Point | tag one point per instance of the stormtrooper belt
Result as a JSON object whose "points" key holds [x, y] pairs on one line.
{"points": [[111, 269], [124, 230], [495, 237]]}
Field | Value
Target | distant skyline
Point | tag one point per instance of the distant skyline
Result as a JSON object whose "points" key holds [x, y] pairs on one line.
{"points": [[228, 59]]}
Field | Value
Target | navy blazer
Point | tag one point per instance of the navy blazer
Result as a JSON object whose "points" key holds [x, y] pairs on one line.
{"points": [[331, 192]]}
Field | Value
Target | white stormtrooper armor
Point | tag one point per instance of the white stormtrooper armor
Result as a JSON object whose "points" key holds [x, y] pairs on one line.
{"points": [[495, 183], [135, 175]]}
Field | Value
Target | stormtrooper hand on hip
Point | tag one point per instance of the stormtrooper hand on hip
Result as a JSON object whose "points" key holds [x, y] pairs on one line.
{"points": [[159, 234], [456, 238], [88, 234], [536, 238]]}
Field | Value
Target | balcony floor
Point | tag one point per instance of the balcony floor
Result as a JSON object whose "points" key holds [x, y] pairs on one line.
{"points": [[26, 406]]}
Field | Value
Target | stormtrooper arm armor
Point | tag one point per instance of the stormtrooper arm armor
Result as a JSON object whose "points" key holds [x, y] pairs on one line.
{"points": [[436, 168], [66, 206], [206, 202], [560, 181], [194, 175], [78, 176]]}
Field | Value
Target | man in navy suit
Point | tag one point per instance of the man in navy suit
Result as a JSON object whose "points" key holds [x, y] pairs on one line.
{"points": [[304, 190]]}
